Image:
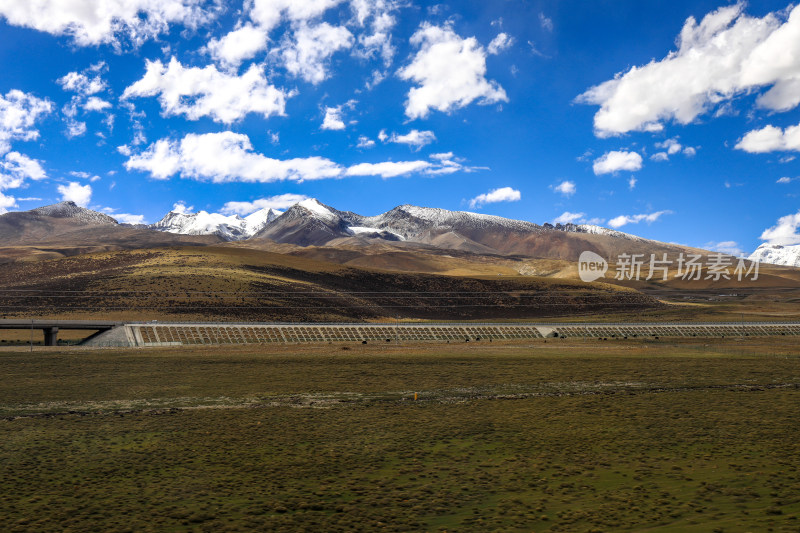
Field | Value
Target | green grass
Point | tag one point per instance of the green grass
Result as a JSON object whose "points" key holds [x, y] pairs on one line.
{"points": [[528, 437]]}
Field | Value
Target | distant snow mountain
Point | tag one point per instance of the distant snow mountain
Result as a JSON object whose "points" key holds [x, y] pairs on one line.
{"points": [[775, 254], [230, 228], [312, 223]]}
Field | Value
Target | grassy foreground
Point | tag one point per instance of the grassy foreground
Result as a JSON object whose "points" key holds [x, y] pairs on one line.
{"points": [[558, 436]]}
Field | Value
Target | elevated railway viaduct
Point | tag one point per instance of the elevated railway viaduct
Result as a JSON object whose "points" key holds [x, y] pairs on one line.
{"points": [[108, 333]]}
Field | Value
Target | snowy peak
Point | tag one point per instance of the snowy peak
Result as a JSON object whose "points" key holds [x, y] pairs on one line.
{"points": [[776, 254], [230, 228], [73, 211]]}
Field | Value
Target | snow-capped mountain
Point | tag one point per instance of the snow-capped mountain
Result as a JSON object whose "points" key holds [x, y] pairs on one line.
{"points": [[230, 228], [312, 223], [775, 254]]}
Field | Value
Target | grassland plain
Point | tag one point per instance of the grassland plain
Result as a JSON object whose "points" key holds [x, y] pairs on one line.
{"points": [[557, 436]]}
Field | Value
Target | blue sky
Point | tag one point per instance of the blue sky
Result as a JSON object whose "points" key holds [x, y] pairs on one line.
{"points": [[670, 120]]}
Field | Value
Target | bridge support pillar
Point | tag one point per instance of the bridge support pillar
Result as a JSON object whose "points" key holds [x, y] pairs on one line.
{"points": [[51, 336]]}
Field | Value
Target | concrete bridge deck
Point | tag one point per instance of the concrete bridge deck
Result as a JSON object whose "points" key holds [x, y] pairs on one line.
{"points": [[173, 334], [112, 333]]}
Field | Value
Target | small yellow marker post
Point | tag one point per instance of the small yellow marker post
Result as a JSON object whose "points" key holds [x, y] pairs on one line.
{"points": [[415, 396]]}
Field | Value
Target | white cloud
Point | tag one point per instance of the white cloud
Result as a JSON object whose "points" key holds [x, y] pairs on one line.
{"points": [[659, 156], [566, 187], [632, 183], [450, 72], [382, 136], [388, 169], [124, 218], [15, 169], [690, 151], [104, 21], [269, 13], [19, 112], [96, 104], [672, 146], [615, 161], [307, 54], [181, 208], [503, 194], [502, 42], [569, 218], [6, 202], [198, 92], [226, 157], [784, 232], [365, 142], [785, 179], [726, 55], [333, 119], [279, 202], [75, 128], [622, 220], [82, 84], [771, 139], [414, 138], [238, 45], [725, 247], [229, 157], [127, 218], [75, 192]]}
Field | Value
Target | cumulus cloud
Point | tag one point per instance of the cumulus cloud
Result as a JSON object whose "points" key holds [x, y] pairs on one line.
{"points": [[785, 179], [229, 157], [75, 192], [365, 142], [414, 138], [198, 92], [771, 139], [93, 103], [614, 161], [450, 73], [503, 194], [569, 218], [784, 232], [19, 112], [79, 82], [502, 42], [726, 55], [622, 220], [566, 187], [333, 119], [181, 208], [105, 21], [279, 202], [239, 45], [308, 53], [15, 169]]}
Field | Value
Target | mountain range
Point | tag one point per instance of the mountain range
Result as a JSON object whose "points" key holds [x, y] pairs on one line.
{"points": [[313, 224]]}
